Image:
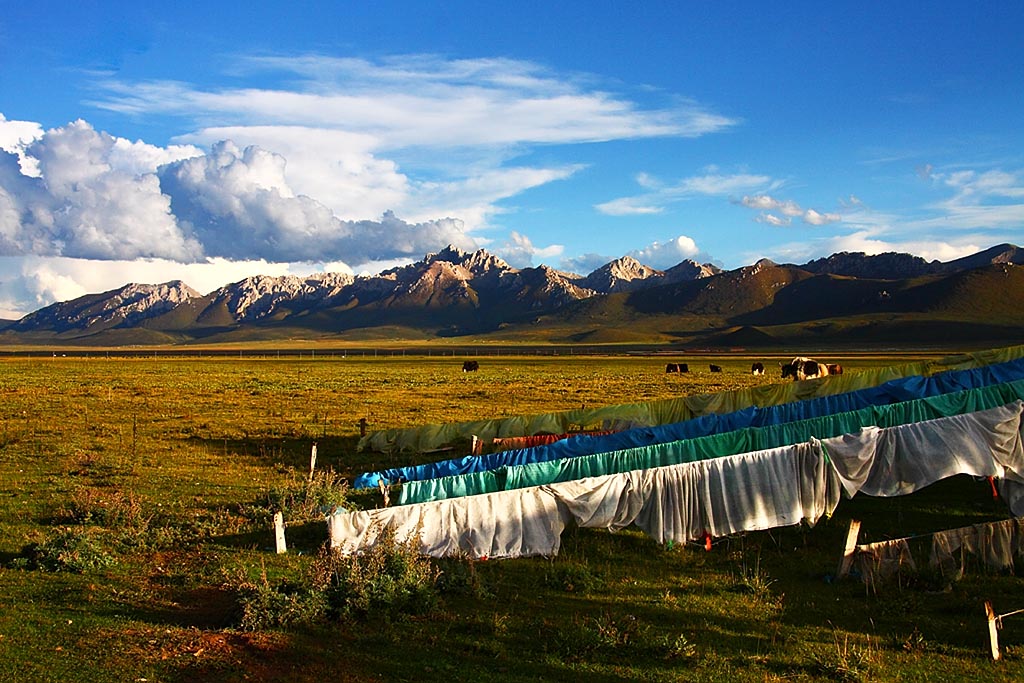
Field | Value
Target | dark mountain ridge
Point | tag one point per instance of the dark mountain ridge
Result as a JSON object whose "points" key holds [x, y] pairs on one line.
{"points": [[454, 293]]}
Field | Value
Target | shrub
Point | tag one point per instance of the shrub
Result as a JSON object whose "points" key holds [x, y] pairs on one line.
{"points": [[571, 577], [754, 580], [264, 605], [459, 576], [390, 579], [302, 498], [69, 550], [109, 508]]}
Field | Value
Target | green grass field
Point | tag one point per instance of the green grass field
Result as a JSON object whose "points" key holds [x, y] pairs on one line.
{"points": [[136, 496]]}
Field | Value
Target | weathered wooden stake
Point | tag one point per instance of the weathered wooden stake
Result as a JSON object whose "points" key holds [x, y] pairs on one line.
{"points": [[851, 546], [476, 446], [312, 462], [279, 533], [362, 426], [993, 636]]}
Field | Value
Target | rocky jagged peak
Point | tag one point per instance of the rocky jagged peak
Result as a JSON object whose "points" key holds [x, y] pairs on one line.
{"points": [[126, 305], [689, 270], [886, 266], [136, 301], [751, 270], [622, 274], [451, 254], [477, 263], [333, 280], [260, 295]]}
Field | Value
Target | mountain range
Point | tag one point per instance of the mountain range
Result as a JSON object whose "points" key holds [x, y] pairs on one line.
{"points": [[847, 298]]}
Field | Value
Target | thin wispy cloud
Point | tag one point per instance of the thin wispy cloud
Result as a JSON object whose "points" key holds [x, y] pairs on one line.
{"points": [[660, 196], [419, 101], [989, 199], [342, 123]]}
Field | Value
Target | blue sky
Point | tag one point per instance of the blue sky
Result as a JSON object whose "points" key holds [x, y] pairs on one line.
{"points": [[144, 144]]}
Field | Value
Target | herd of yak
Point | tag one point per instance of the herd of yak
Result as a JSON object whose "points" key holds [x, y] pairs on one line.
{"points": [[798, 368]]}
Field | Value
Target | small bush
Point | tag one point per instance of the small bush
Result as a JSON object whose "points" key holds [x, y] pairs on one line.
{"points": [[109, 508], [606, 633], [578, 640], [755, 581], [679, 647], [390, 579], [458, 576], [70, 550], [571, 577], [302, 498], [263, 605]]}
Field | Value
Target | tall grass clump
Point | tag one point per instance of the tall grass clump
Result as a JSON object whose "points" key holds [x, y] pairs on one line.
{"points": [[845, 662], [389, 580], [106, 507], [263, 604], [302, 498]]}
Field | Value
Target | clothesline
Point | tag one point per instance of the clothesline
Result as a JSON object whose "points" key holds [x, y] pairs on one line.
{"points": [[752, 491]]}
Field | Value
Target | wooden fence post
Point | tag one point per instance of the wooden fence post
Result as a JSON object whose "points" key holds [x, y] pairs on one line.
{"points": [[851, 546], [312, 462], [993, 636]]}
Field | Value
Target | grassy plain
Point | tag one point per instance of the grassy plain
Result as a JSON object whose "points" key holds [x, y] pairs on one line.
{"points": [[170, 467]]}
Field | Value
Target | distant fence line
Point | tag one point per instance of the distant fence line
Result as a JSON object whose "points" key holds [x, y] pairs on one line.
{"points": [[325, 354]]}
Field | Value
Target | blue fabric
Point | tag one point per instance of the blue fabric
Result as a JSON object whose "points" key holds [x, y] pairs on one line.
{"points": [[894, 391]]}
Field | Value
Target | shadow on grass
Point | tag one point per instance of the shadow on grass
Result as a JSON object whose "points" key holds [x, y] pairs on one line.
{"points": [[290, 451]]}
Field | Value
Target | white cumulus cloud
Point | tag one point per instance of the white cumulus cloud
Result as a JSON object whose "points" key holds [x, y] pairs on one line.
{"points": [[520, 252], [663, 255], [816, 218], [658, 255], [768, 205]]}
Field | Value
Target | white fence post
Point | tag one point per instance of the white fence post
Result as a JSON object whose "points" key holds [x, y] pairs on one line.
{"points": [[279, 533]]}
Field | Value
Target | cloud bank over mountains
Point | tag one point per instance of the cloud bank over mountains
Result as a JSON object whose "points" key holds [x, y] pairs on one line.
{"points": [[105, 198], [74, 200], [303, 163], [349, 164]]}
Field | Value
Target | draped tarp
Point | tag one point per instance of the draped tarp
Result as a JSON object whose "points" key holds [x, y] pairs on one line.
{"points": [[679, 503], [505, 524], [618, 417], [713, 446], [901, 389], [881, 462], [996, 545], [716, 497]]}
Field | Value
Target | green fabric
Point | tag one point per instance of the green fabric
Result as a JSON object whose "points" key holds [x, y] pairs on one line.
{"points": [[717, 445], [667, 411]]}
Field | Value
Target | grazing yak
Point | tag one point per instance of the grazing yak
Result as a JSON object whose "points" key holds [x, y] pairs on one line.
{"points": [[715, 368], [757, 369], [470, 366], [677, 367], [804, 368]]}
